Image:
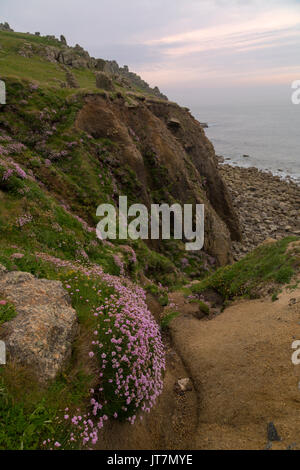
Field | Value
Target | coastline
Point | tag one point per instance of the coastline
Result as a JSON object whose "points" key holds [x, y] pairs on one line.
{"points": [[281, 174], [267, 205], [265, 136]]}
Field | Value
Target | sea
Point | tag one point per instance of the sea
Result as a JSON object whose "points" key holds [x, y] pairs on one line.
{"points": [[264, 136]]}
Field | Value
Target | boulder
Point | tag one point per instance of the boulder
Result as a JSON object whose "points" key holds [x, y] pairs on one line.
{"points": [[71, 80], [100, 64], [63, 40], [74, 57], [49, 53], [185, 385], [40, 337], [174, 123], [104, 82], [111, 67], [5, 27]]}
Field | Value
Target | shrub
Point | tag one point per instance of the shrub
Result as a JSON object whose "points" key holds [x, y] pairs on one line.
{"points": [[203, 307], [7, 311]]}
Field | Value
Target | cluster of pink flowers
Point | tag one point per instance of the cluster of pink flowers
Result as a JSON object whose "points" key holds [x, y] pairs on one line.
{"points": [[10, 166], [5, 138], [131, 362], [172, 305], [57, 155], [10, 171], [84, 224], [4, 150], [17, 256], [11, 147], [7, 174], [184, 262], [24, 219], [83, 430], [135, 355], [72, 144], [119, 263], [80, 253], [128, 249], [24, 190], [33, 86], [15, 147], [20, 172], [56, 227]]}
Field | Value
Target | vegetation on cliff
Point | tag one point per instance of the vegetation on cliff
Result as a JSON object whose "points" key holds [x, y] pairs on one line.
{"points": [[270, 266]]}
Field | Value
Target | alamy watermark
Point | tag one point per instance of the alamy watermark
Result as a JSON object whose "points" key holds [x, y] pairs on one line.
{"points": [[296, 353], [2, 353], [2, 92], [296, 93], [161, 222]]}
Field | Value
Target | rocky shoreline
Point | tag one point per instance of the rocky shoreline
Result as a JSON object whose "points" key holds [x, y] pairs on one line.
{"points": [[267, 206]]}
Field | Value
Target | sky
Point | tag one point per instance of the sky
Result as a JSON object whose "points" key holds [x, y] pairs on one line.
{"points": [[199, 52]]}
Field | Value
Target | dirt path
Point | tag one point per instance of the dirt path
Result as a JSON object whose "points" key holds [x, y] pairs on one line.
{"points": [[240, 364]]}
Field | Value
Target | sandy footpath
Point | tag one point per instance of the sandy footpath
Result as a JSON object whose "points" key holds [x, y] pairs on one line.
{"points": [[240, 364]]}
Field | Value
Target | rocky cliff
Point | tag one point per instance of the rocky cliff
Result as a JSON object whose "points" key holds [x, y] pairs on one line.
{"points": [[153, 150], [171, 157]]}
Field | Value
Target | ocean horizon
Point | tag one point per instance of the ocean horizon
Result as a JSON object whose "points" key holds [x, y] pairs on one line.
{"points": [[269, 135]]}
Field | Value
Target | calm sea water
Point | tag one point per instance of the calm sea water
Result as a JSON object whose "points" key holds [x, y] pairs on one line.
{"points": [[270, 135]]}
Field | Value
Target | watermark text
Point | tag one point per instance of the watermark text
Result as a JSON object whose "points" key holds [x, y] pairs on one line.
{"points": [[160, 222]]}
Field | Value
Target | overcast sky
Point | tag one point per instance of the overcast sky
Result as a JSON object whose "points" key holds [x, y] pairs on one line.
{"points": [[196, 51]]}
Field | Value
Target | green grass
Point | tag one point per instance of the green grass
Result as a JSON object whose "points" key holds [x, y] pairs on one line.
{"points": [[266, 264], [29, 416], [166, 320], [35, 413], [203, 307], [30, 413], [7, 311]]}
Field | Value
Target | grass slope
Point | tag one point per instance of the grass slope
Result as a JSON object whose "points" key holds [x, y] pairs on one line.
{"points": [[268, 264]]}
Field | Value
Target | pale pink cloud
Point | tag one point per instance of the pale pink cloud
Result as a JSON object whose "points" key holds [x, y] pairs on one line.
{"points": [[232, 42], [265, 22], [169, 76]]}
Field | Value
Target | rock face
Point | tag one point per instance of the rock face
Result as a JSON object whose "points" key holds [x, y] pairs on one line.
{"points": [[5, 27], [63, 40], [170, 163], [40, 337], [76, 57]]}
